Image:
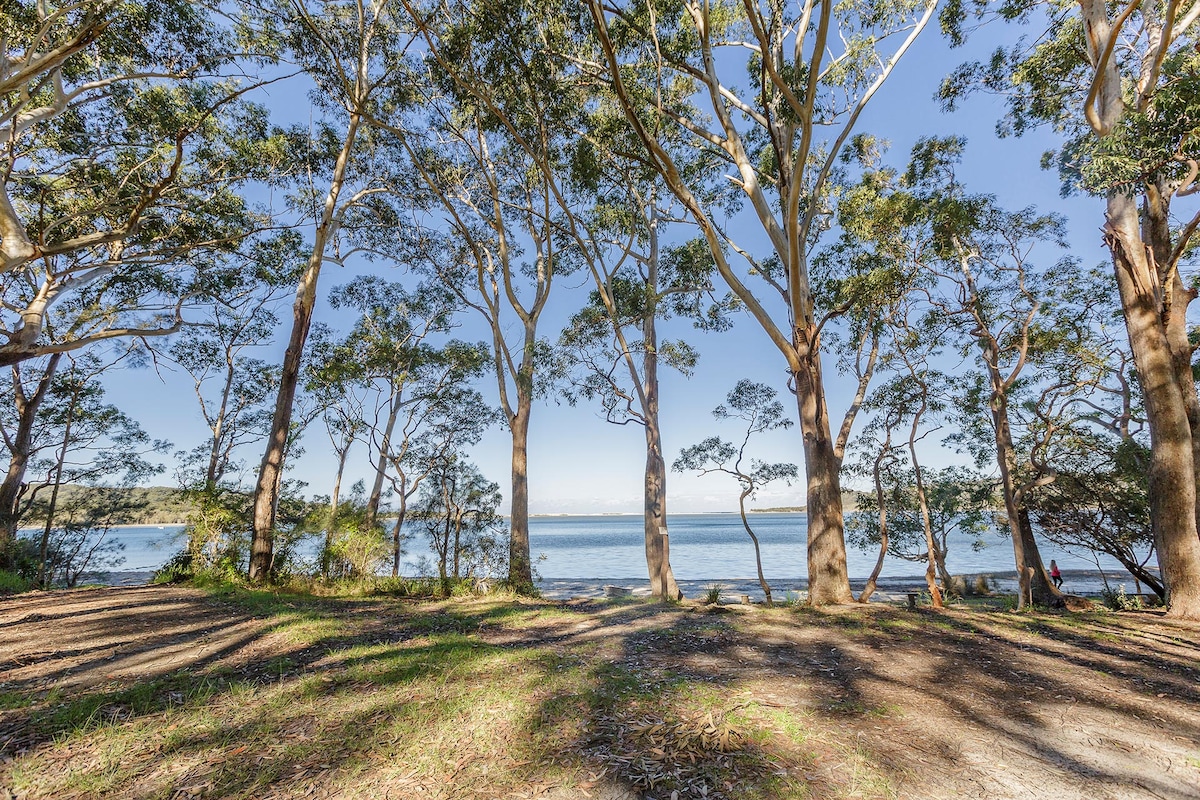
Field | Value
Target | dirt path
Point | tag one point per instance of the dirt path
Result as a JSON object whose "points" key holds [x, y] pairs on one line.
{"points": [[857, 702]]}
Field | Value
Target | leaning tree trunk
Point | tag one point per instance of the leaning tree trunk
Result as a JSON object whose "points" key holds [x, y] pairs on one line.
{"points": [[1032, 579], [881, 501], [381, 465], [828, 580], [520, 571], [12, 488], [1172, 471], [923, 505], [762, 580], [270, 473]]}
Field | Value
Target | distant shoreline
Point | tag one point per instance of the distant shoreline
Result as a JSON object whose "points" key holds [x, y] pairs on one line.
{"points": [[1089, 583]]}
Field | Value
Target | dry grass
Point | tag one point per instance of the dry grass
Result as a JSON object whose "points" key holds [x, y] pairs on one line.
{"points": [[172, 693]]}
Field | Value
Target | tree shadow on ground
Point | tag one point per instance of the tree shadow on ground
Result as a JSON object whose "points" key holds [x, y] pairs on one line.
{"points": [[619, 700]]}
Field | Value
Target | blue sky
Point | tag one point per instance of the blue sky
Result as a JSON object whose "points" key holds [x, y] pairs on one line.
{"points": [[577, 462]]}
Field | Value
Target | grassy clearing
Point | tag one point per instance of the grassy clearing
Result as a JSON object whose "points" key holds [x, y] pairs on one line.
{"points": [[366, 697]]}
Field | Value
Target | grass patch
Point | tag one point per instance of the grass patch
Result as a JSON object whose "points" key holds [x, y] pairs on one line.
{"points": [[372, 697]]}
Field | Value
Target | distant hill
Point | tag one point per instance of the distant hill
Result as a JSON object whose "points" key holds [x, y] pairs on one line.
{"points": [[849, 503], [159, 505]]}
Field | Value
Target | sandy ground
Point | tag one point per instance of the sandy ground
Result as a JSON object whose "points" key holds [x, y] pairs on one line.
{"points": [[942, 705]]}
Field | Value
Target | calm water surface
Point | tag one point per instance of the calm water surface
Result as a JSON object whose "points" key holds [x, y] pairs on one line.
{"points": [[703, 546]]}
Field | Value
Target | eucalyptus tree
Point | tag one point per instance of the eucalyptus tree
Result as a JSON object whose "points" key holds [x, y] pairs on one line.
{"points": [[955, 501], [413, 386], [898, 516], [756, 406], [30, 384], [125, 151], [237, 315], [444, 416], [86, 441], [356, 55], [612, 347], [389, 350], [1012, 311], [498, 119], [331, 380], [1119, 81], [812, 68], [459, 507]]}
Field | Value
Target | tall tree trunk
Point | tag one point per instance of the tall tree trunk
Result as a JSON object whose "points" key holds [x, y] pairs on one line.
{"points": [[396, 530], [213, 473], [1155, 307], [1032, 579], [658, 563], [520, 570], [1147, 306], [828, 579], [923, 504], [662, 577], [13, 487], [270, 473]]}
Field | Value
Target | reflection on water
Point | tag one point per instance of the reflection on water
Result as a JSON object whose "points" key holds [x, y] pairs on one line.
{"points": [[703, 546]]}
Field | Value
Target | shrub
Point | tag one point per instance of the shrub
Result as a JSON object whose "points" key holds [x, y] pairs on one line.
{"points": [[177, 569], [1117, 600], [12, 583]]}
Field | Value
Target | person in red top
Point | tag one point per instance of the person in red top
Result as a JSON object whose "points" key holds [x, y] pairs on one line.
{"points": [[1055, 575]]}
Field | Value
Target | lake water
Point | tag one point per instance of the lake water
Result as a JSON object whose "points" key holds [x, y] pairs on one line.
{"points": [[703, 547]]}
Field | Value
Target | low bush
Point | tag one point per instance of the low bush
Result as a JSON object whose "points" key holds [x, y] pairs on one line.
{"points": [[13, 583], [1117, 600]]}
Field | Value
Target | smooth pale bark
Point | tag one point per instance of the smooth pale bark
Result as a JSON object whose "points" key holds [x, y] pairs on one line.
{"points": [[762, 580], [662, 577], [654, 494], [520, 570], [658, 562], [20, 447], [787, 221], [215, 456], [270, 473], [381, 464], [881, 503], [828, 578]]}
